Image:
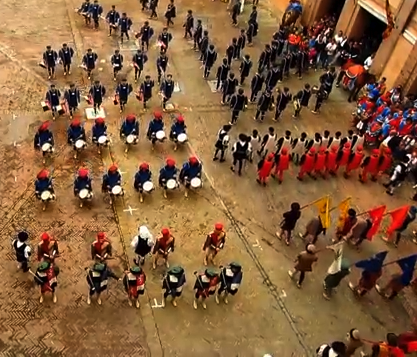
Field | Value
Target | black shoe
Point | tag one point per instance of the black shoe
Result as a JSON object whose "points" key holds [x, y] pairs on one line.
{"points": [[215, 158]]}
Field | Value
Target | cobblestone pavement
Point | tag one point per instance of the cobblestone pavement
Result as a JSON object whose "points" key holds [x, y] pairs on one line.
{"points": [[269, 315]]}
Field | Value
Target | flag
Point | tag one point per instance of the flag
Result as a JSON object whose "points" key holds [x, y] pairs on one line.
{"points": [[398, 216], [390, 20], [343, 207], [374, 263], [376, 215], [323, 205], [407, 266]]}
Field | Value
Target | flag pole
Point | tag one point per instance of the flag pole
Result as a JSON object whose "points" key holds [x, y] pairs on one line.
{"points": [[337, 206], [312, 203]]}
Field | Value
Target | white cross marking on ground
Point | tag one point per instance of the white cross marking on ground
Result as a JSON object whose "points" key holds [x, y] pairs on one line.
{"points": [[257, 245], [130, 210], [156, 304]]}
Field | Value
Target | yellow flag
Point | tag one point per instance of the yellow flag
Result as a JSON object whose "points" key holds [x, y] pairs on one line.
{"points": [[343, 207], [323, 205]]}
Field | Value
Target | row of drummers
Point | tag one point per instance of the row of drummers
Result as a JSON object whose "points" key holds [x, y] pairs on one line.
{"points": [[169, 178], [129, 133]]}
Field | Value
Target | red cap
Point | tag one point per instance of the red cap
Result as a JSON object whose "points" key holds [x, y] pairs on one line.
{"points": [[82, 172], [76, 122], [180, 119], [42, 174], [284, 151], [100, 235], [44, 126], [347, 145], [113, 168], [130, 117], [271, 156], [165, 232], [322, 150], [193, 160], [99, 121], [334, 149], [45, 236], [170, 162], [359, 148], [312, 151], [157, 115], [144, 166], [387, 151], [218, 226], [375, 152]]}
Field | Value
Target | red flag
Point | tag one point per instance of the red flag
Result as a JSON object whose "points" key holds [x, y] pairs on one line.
{"points": [[390, 20], [398, 216], [376, 215]]}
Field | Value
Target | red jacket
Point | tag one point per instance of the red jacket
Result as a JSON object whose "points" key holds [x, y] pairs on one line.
{"points": [[355, 160], [320, 163], [371, 163], [307, 162], [343, 156], [266, 169], [385, 162], [331, 162], [283, 162]]}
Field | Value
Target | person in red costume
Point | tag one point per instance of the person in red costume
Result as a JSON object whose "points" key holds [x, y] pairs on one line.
{"points": [[385, 161], [320, 164], [370, 167], [331, 161], [265, 168], [307, 164], [282, 163], [343, 155], [355, 161]]}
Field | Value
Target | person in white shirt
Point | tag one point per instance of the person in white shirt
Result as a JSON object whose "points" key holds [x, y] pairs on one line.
{"points": [[240, 153], [368, 62], [142, 244], [23, 250], [330, 50], [338, 37]]}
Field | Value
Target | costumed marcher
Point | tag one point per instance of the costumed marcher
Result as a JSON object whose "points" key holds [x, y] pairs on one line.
{"points": [[397, 233], [155, 125], [72, 98], [238, 103], [172, 284], [343, 155], [244, 68], [385, 161], [338, 270], [65, 55], [282, 163], [44, 184], [96, 10], [22, 250], [269, 142], [116, 60], [142, 244], [255, 143], [142, 176], [222, 143], [284, 142], [320, 164], [256, 86], [97, 93], [321, 95], [83, 182], [190, 170], [50, 58], [163, 247], [347, 224], [123, 91], [144, 35], [76, 133], [53, 99], [46, 277], [134, 283], [209, 60], [97, 279], [138, 60], [101, 248], [112, 19], [129, 131], [289, 222], [44, 140], [125, 23], [354, 343], [241, 43], [162, 64], [283, 98], [168, 173], [265, 103], [178, 128], [203, 45], [299, 147], [304, 263], [370, 167], [331, 161], [398, 176], [314, 228], [230, 280], [197, 35], [265, 167], [395, 285], [111, 179], [145, 91], [214, 242], [359, 231], [301, 99], [164, 39], [222, 74], [239, 152], [229, 88], [89, 62], [99, 133], [47, 248], [335, 349], [166, 90], [355, 161], [205, 285], [307, 163]]}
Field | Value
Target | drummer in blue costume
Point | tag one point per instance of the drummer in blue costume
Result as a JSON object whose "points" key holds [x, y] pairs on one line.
{"points": [[112, 181], [99, 132], [44, 140], [81, 183], [168, 176], [156, 129], [191, 170], [178, 131], [143, 180], [129, 131]]}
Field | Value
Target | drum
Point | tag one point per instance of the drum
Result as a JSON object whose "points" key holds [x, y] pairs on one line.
{"points": [[59, 110], [46, 195], [131, 139], [182, 138], [116, 190], [79, 144], [315, 89], [102, 139], [148, 186], [171, 184], [160, 135], [195, 182], [46, 147], [226, 140], [84, 193], [45, 107]]}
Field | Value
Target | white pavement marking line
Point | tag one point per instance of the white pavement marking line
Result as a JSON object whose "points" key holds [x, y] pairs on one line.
{"points": [[14, 116], [15, 179], [130, 210], [257, 245], [156, 304], [283, 294], [15, 144]]}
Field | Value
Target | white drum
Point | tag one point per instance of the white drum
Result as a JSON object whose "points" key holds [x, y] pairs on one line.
{"points": [[171, 184], [160, 135], [195, 182], [46, 147], [148, 186], [79, 144], [84, 193], [116, 190], [102, 139], [46, 195], [182, 138], [131, 139]]}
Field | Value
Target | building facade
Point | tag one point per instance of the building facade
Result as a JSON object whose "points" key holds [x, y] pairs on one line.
{"points": [[396, 58]]}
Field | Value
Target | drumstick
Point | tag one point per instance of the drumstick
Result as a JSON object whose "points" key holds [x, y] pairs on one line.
{"points": [[89, 279], [201, 284], [31, 272]]}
